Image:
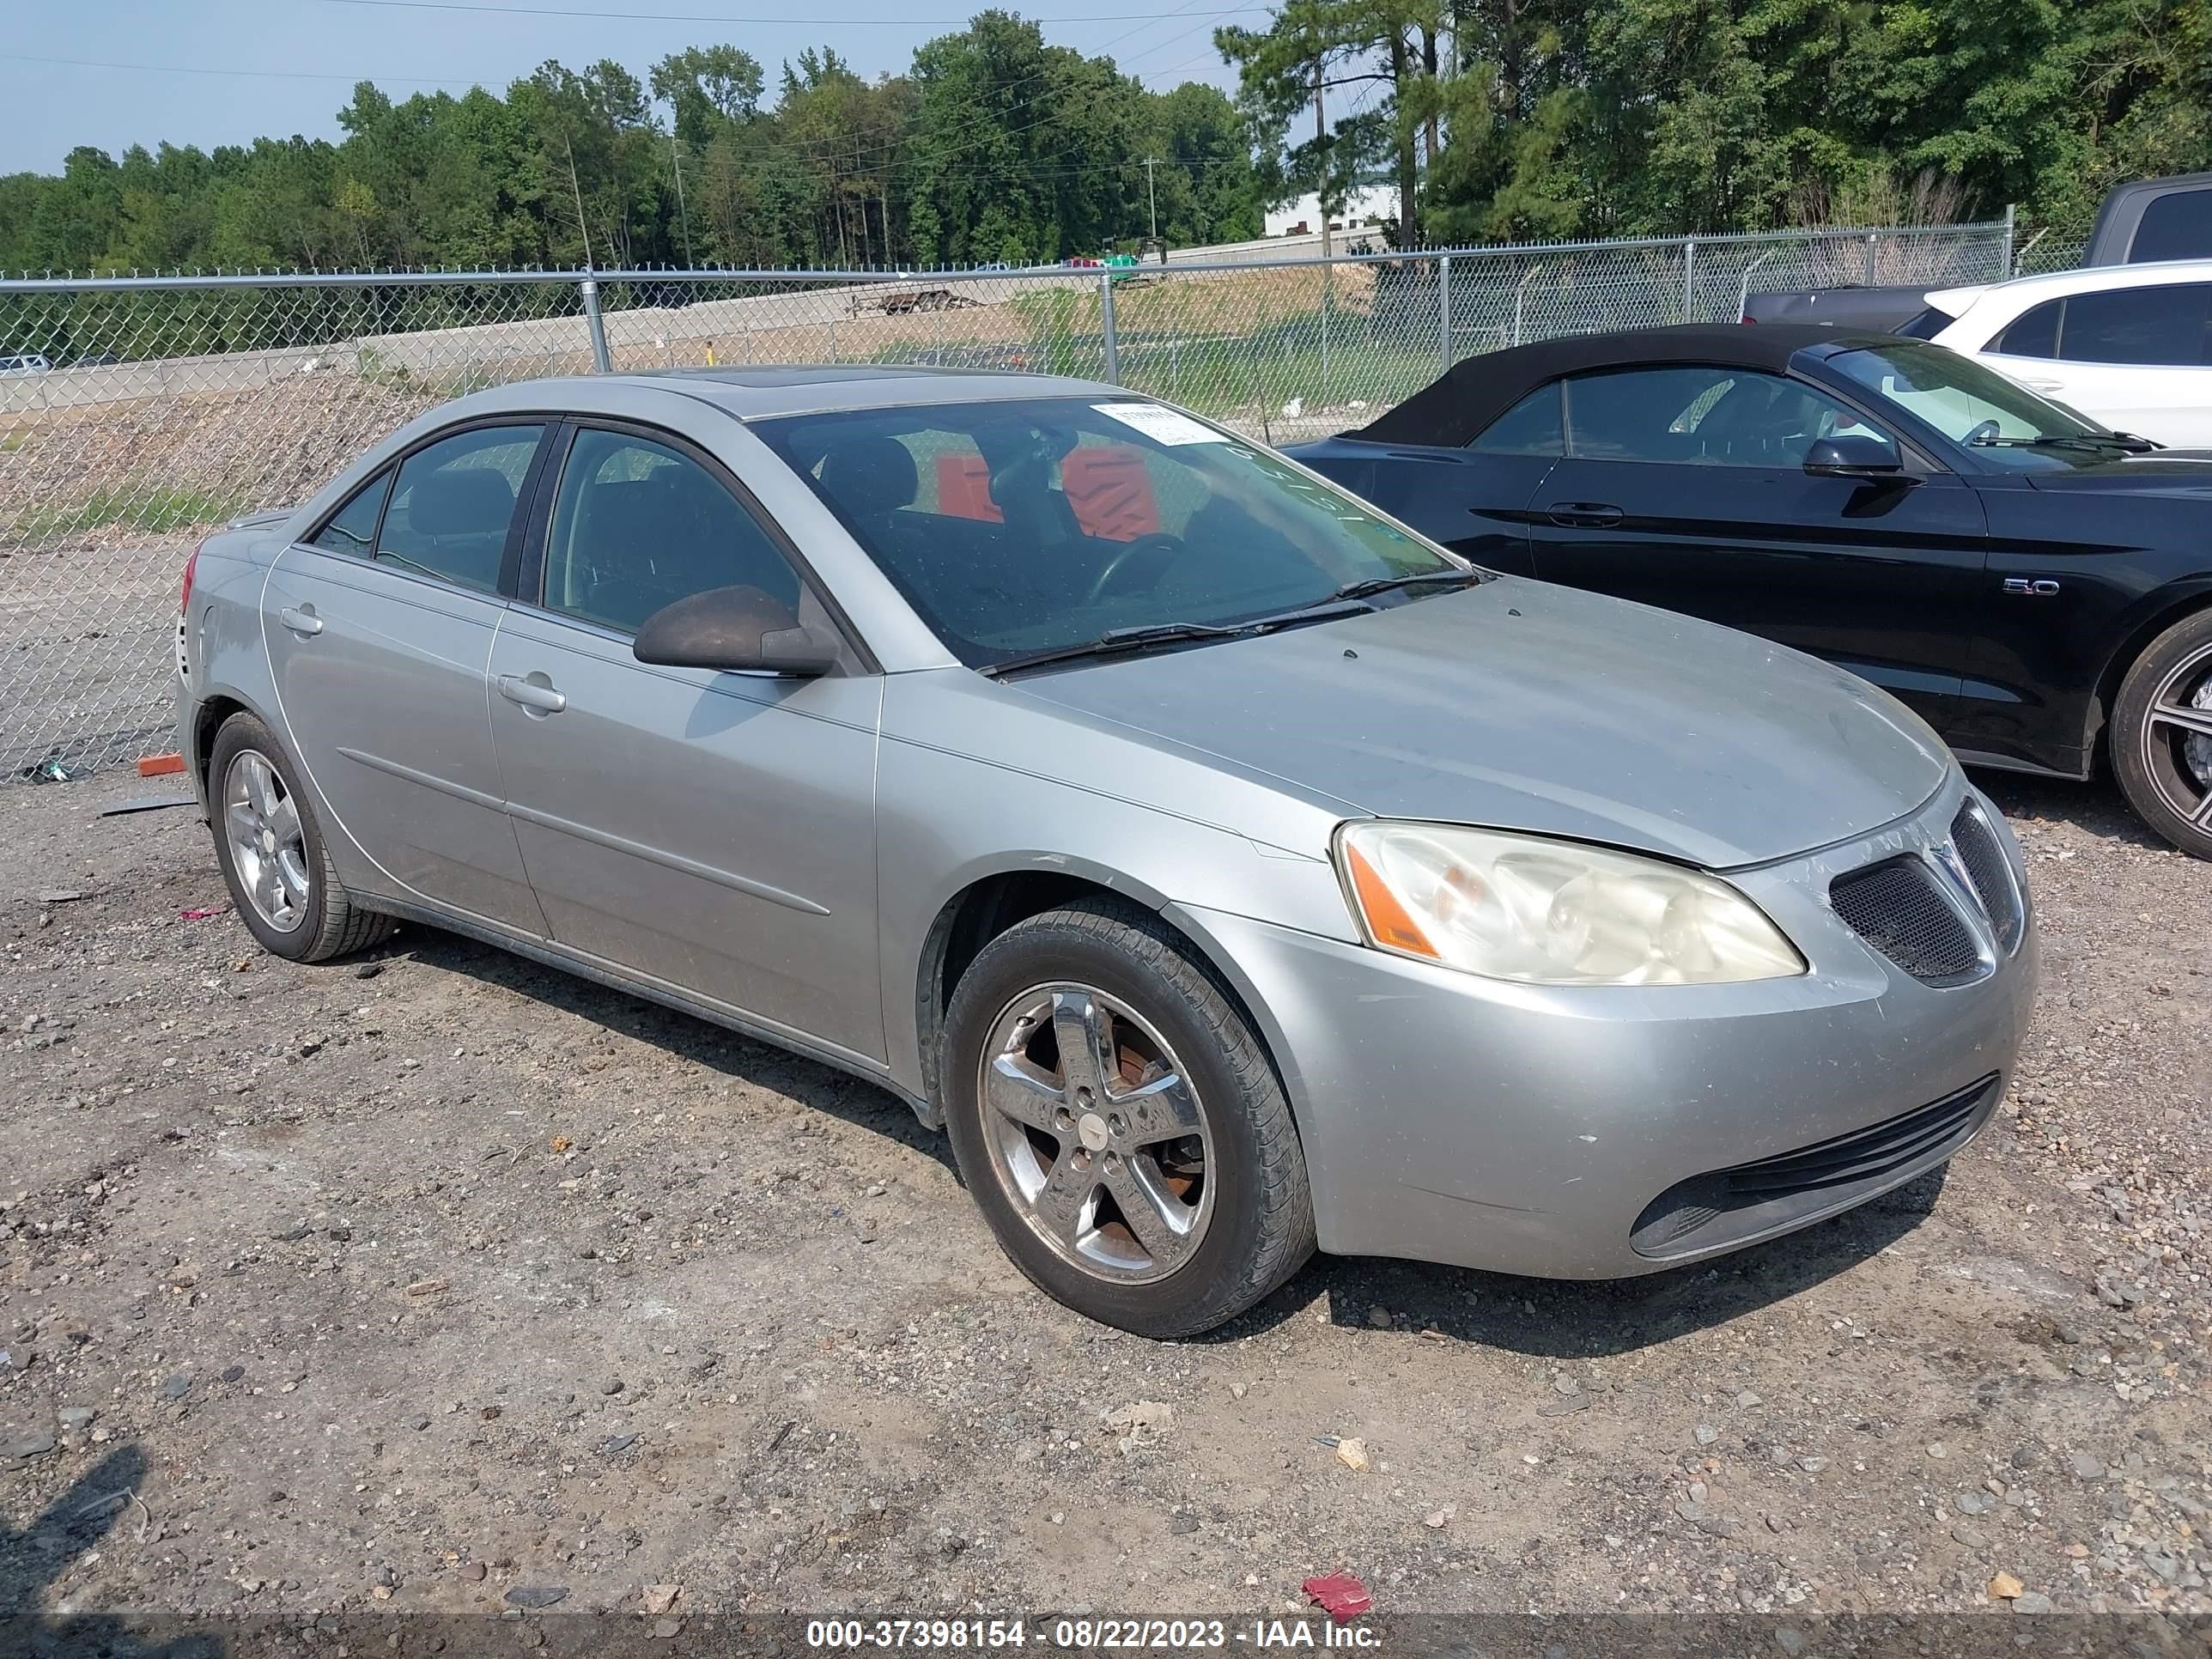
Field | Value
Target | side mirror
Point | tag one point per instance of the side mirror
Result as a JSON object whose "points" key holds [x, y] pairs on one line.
{"points": [[1854, 455], [734, 629]]}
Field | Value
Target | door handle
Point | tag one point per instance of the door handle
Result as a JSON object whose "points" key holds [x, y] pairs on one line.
{"points": [[535, 694], [1596, 515], [2045, 385], [300, 619]]}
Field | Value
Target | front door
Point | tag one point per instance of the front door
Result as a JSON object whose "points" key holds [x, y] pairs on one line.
{"points": [[1684, 488], [713, 831], [378, 630]]}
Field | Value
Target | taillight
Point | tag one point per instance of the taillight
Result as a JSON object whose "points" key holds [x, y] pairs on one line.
{"points": [[184, 597]]}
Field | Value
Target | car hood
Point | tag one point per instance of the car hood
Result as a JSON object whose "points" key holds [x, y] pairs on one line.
{"points": [[2183, 472], [1524, 705]]}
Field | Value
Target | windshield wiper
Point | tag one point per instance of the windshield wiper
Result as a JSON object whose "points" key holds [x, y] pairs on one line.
{"points": [[1373, 585], [1350, 600], [1116, 640], [2092, 441]]}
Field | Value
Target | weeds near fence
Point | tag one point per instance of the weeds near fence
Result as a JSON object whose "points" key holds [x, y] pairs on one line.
{"points": [[154, 509]]}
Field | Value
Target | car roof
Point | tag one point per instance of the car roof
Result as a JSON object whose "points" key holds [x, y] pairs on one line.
{"points": [[1467, 396], [765, 392], [2086, 279]]}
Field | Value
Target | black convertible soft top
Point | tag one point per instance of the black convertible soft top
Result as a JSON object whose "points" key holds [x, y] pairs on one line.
{"points": [[1471, 394]]}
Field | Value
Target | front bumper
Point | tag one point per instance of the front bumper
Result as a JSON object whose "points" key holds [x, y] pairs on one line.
{"points": [[1535, 1129]]}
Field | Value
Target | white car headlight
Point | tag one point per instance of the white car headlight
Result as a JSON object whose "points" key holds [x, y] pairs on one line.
{"points": [[1552, 912]]}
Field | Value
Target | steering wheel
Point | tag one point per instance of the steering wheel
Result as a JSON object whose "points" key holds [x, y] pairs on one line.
{"points": [[1981, 432], [1156, 551]]}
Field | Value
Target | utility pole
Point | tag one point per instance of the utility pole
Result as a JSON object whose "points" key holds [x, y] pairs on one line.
{"points": [[675, 161], [1152, 196], [1321, 150]]}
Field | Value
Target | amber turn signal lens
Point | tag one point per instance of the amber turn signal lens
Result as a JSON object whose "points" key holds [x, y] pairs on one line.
{"points": [[1387, 920]]}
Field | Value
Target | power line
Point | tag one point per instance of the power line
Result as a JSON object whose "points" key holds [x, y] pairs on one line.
{"points": [[259, 75], [828, 22]]}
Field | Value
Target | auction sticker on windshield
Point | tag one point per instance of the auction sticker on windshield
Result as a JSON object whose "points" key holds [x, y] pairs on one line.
{"points": [[1165, 426]]}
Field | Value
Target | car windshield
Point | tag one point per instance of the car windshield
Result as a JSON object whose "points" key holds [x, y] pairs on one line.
{"points": [[1033, 525], [1999, 419]]}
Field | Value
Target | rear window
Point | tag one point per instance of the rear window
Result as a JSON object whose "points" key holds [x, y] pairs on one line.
{"points": [[1928, 324]]}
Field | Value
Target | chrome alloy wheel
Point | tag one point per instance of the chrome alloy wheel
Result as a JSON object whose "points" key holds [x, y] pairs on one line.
{"points": [[1097, 1133], [267, 846], [2177, 729]]}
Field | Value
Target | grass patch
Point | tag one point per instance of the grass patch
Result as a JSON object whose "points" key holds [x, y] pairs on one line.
{"points": [[153, 509]]}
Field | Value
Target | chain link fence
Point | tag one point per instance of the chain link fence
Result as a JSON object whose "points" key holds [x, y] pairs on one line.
{"points": [[139, 414]]}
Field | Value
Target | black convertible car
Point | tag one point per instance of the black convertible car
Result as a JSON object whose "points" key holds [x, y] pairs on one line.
{"points": [[2037, 587]]}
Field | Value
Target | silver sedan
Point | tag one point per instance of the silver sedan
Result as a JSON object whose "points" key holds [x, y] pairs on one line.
{"points": [[1228, 870]]}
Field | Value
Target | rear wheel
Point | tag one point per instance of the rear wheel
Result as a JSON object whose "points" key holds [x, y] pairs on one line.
{"points": [[1119, 1124], [2161, 735], [271, 850]]}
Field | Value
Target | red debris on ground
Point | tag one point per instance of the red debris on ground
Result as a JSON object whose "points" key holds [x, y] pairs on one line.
{"points": [[201, 913], [1343, 1597]]}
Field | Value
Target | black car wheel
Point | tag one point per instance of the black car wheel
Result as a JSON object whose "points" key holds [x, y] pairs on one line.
{"points": [[1119, 1124], [2161, 735], [270, 847]]}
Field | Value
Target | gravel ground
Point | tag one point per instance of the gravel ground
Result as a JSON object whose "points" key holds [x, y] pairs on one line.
{"points": [[420, 1281]]}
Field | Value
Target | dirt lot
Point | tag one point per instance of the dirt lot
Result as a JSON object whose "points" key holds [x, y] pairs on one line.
{"points": [[413, 1283]]}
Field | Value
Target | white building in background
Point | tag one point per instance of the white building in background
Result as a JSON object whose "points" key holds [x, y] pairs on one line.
{"points": [[1302, 216]]}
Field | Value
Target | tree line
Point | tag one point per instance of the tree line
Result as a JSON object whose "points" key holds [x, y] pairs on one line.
{"points": [[1536, 120], [1496, 119], [993, 146]]}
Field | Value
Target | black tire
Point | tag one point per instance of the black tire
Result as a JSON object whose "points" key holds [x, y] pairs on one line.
{"points": [[2169, 786], [1260, 1230], [332, 922]]}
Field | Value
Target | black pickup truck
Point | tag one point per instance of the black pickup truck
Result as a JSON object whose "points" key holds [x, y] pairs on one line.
{"points": [[2148, 219]]}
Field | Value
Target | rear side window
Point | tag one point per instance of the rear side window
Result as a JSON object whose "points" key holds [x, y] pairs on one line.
{"points": [[2034, 332], [1531, 427], [452, 502], [2148, 325], [2175, 226], [352, 528]]}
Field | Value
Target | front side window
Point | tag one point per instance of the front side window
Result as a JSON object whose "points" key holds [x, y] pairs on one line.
{"points": [[352, 528], [1531, 427], [638, 524], [2177, 225], [1031, 525], [1971, 403], [2152, 326], [453, 501], [1710, 417]]}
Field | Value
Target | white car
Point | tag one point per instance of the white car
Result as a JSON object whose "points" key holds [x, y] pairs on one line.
{"points": [[31, 363], [2128, 346]]}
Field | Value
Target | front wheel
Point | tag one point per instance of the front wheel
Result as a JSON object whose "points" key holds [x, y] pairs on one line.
{"points": [[2161, 735], [1119, 1124]]}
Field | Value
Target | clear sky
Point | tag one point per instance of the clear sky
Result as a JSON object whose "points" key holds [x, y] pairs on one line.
{"points": [[287, 66]]}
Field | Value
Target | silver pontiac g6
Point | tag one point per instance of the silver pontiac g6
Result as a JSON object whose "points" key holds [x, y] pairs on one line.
{"points": [[1229, 871]]}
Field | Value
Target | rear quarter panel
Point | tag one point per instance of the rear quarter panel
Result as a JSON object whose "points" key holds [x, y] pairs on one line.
{"points": [[1476, 505]]}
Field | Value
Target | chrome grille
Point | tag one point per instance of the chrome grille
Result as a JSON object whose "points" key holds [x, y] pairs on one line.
{"points": [[1987, 867], [1897, 908]]}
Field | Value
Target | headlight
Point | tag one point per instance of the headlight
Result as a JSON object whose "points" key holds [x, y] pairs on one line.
{"points": [[1553, 911]]}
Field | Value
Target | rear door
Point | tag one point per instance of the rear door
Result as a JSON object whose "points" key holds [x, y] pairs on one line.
{"points": [[378, 630], [1684, 487], [715, 832]]}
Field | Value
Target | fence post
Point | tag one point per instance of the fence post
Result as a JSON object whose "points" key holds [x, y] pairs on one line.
{"points": [[1689, 279], [2012, 228], [1874, 238], [1113, 364], [596, 323], [1444, 313], [1328, 284]]}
